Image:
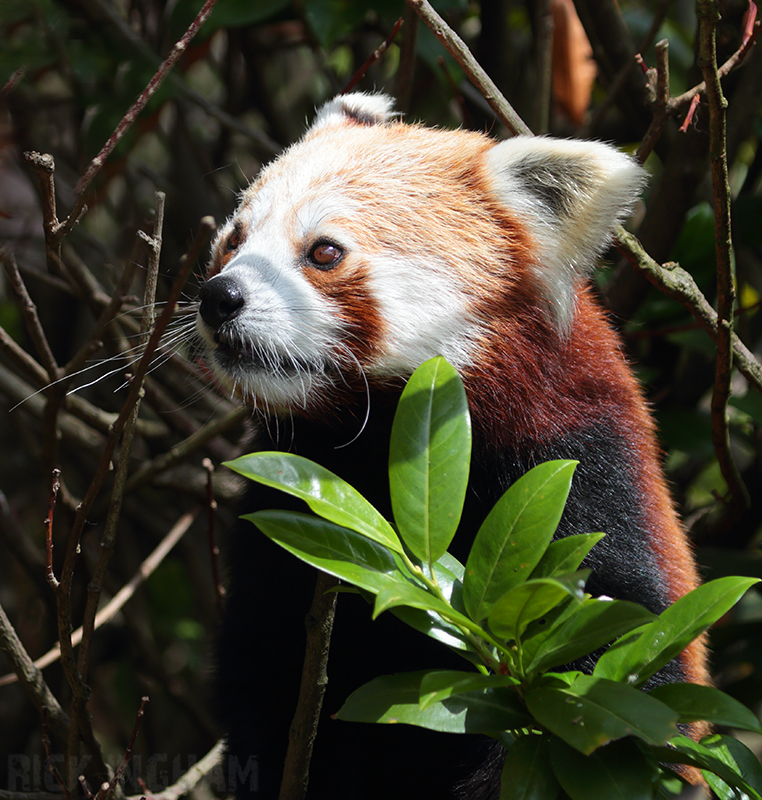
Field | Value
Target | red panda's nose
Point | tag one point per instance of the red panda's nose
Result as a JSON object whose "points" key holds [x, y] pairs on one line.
{"points": [[221, 300]]}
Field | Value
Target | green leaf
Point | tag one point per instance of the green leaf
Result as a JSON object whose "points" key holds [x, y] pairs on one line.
{"points": [[338, 551], [429, 459], [737, 757], [694, 702], [677, 626], [523, 604], [441, 684], [403, 593], [393, 699], [525, 773], [325, 493], [589, 626], [722, 756], [618, 771], [449, 574], [515, 534], [592, 712], [566, 555]]}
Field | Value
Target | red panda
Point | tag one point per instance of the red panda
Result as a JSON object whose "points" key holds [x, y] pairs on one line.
{"points": [[368, 247]]}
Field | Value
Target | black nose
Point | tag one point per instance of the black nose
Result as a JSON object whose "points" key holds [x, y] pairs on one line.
{"points": [[221, 300]]}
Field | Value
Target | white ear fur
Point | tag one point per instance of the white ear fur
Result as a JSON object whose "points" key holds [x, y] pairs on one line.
{"points": [[571, 195], [365, 109]]}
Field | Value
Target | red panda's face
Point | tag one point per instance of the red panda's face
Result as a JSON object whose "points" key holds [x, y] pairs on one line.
{"points": [[369, 247]]}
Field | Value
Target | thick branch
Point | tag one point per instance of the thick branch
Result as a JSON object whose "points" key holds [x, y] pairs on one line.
{"points": [[304, 726]]}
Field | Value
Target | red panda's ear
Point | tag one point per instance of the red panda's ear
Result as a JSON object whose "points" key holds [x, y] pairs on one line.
{"points": [[357, 109], [570, 195]]}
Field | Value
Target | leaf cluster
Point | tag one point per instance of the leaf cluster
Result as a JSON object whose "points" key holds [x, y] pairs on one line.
{"points": [[517, 611]]}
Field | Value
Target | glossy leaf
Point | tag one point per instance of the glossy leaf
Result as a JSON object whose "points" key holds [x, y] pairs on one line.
{"points": [[566, 555], [449, 573], [394, 699], [718, 755], [526, 775], [523, 604], [404, 593], [515, 534], [338, 551], [441, 684], [618, 771], [664, 639], [325, 493], [429, 459], [588, 627], [694, 702], [737, 757], [592, 712]]}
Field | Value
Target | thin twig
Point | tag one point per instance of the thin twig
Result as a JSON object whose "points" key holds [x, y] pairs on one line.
{"points": [[45, 166], [543, 46], [33, 324], [406, 69], [154, 244], [63, 594], [623, 75], [109, 791], [181, 451], [675, 282], [21, 359], [660, 101], [688, 97], [107, 314], [188, 781], [374, 56], [214, 550], [131, 115], [117, 492], [460, 52], [11, 83], [709, 16], [31, 678], [54, 487], [49, 763], [112, 608]]}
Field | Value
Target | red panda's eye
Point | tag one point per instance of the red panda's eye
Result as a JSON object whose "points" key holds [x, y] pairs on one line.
{"points": [[233, 242], [325, 255]]}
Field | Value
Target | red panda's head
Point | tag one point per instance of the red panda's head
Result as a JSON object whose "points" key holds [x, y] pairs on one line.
{"points": [[372, 245]]}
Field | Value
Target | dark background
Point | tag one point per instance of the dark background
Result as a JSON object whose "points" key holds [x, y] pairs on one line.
{"points": [[242, 92]]}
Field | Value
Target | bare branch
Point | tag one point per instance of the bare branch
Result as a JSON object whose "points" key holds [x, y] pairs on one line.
{"points": [[54, 487], [31, 678], [112, 608], [117, 492], [214, 550], [374, 56], [301, 737], [29, 310], [709, 16], [675, 282], [114, 782], [177, 50], [460, 52], [49, 763], [181, 451], [187, 782]]}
